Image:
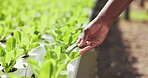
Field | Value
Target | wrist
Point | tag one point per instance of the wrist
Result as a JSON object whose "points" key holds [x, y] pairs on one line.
{"points": [[103, 20]]}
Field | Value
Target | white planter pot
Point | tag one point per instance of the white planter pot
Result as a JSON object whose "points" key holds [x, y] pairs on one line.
{"points": [[37, 54], [73, 68], [23, 69]]}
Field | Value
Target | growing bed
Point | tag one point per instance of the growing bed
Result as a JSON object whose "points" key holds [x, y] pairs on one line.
{"points": [[35, 35]]}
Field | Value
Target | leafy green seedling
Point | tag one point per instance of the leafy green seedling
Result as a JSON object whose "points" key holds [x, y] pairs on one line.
{"points": [[35, 20], [29, 42], [12, 75], [48, 66], [10, 44], [2, 31], [17, 36], [35, 67], [73, 56], [8, 57], [2, 52]]}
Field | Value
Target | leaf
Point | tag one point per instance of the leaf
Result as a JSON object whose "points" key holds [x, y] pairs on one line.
{"points": [[9, 56], [75, 36], [22, 46], [74, 55], [51, 54], [34, 38], [48, 66], [2, 52], [58, 51], [36, 32], [2, 16], [12, 75], [70, 40], [17, 36], [45, 41], [66, 39], [35, 44], [2, 31], [19, 52], [10, 65], [30, 30], [10, 44], [35, 67], [25, 39], [3, 62], [46, 47], [63, 29], [58, 32], [62, 76], [63, 56]]}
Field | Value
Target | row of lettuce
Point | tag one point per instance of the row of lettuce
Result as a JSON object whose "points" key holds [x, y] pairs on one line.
{"points": [[23, 23]]}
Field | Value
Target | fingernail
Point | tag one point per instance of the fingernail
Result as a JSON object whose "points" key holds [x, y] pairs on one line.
{"points": [[77, 41], [81, 52]]}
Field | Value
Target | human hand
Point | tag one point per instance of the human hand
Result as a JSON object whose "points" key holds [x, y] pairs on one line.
{"points": [[92, 36]]}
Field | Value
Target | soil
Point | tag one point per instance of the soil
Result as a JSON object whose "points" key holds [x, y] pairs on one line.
{"points": [[12, 70], [33, 76], [25, 56], [3, 41]]}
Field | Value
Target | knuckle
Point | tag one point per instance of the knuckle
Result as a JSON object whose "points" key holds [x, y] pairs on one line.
{"points": [[95, 44]]}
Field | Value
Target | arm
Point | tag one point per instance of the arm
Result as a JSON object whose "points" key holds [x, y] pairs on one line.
{"points": [[112, 10], [97, 30]]}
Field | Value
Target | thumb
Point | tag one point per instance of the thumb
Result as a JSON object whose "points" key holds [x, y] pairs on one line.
{"points": [[84, 38], [82, 43]]}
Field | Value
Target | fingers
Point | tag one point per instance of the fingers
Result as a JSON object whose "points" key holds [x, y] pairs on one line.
{"points": [[86, 49], [78, 41], [90, 44], [83, 38], [82, 43], [91, 38]]}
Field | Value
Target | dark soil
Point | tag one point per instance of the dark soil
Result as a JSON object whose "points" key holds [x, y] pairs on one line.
{"points": [[3, 41], [25, 56], [12, 70]]}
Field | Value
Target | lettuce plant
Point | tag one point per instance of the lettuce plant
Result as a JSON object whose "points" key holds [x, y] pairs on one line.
{"points": [[26, 42], [9, 55], [24, 22]]}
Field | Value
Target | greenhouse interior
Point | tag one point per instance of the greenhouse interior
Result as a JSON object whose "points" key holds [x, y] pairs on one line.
{"points": [[73, 38]]}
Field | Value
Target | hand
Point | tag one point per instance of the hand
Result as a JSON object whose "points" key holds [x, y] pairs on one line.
{"points": [[92, 36]]}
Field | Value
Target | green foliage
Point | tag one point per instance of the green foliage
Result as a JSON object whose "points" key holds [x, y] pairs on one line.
{"points": [[8, 57], [10, 44], [10, 75], [23, 23], [28, 42], [46, 70], [74, 55], [35, 66], [137, 15], [2, 52], [49, 67], [17, 36], [1, 34]]}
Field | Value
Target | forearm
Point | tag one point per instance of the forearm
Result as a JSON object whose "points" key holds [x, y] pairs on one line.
{"points": [[111, 11]]}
